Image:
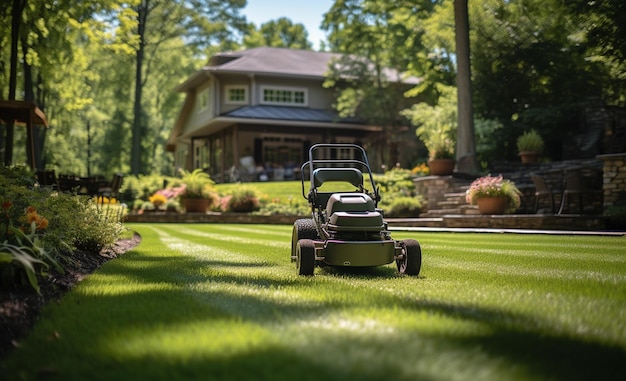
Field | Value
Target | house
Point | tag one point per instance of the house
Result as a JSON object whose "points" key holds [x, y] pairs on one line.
{"points": [[253, 114]]}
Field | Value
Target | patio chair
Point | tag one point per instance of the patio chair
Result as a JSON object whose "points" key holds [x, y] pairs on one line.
{"points": [[543, 190], [580, 187], [47, 179], [113, 189]]}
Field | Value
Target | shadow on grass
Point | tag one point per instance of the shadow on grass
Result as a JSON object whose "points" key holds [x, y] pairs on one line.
{"points": [[519, 339], [89, 327]]}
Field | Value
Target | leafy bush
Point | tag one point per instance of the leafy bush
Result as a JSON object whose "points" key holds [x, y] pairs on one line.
{"points": [[96, 229], [397, 192], [136, 189], [395, 183], [39, 227], [404, 207], [243, 199], [289, 207]]}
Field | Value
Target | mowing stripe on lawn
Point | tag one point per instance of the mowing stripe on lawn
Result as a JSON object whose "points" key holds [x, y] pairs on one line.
{"points": [[223, 302]]}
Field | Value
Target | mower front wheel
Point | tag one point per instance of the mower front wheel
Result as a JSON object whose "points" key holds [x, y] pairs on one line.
{"points": [[303, 228], [411, 261], [305, 257]]}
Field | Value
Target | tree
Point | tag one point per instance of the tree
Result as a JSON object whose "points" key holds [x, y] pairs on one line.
{"points": [[155, 21], [281, 33], [533, 69], [375, 35]]}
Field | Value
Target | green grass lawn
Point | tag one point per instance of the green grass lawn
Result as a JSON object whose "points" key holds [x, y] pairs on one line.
{"points": [[222, 302], [273, 189]]}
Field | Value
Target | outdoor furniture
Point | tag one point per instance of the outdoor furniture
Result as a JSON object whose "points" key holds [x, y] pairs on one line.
{"points": [[47, 179], [581, 188], [544, 190], [112, 190]]}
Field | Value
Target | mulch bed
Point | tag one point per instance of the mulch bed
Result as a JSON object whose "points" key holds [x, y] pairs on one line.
{"points": [[20, 307]]}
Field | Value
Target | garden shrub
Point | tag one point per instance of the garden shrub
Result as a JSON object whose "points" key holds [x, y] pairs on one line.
{"points": [[136, 189], [404, 207], [289, 207], [243, 199], [49, 225], [396, 184]]}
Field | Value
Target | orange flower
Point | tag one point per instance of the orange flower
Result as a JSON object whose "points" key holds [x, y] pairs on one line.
{"points": [[42, 223]]}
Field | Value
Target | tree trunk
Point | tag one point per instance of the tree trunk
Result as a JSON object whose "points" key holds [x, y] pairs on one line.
{"points": [[16, 20], [465, 145], [29, 96], [142, 16]]}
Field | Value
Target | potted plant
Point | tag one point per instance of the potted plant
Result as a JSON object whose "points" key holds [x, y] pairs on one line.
{"points": [[436, 128], [441, 156], [493, 195], [198, 194], [529, 146], [244, 199]]}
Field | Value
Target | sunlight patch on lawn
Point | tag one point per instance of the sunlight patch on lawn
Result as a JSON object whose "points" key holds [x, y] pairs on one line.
{"points": [[526, 270], [211, 338]]}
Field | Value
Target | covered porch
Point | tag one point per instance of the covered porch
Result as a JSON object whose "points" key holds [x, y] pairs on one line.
{"points": [[261, 143]]}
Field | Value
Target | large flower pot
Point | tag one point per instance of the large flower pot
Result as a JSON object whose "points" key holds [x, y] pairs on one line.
{"points": [[441, 167], [529, 157], [491, 205], [196, 205]]}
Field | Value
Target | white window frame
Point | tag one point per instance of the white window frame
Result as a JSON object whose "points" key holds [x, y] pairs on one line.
{"points": [[227, 90], [304, 90]]}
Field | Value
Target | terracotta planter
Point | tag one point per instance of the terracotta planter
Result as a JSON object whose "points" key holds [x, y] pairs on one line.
{"points": [[441, 167], [491, 205], [196, 205], [529, 157]]}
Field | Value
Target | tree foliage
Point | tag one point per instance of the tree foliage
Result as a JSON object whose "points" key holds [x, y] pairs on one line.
{"points": [[280, 33], [535, 64], [375, 36]]}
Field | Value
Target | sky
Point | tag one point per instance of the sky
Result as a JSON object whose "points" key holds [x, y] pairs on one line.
{"points": [[306, 12]]}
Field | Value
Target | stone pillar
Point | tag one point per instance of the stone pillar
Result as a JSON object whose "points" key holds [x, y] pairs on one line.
{"points": [[433, 189], [614, 179]]}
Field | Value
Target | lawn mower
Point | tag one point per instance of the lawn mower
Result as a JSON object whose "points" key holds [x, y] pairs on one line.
{"points": [[347, 228]]}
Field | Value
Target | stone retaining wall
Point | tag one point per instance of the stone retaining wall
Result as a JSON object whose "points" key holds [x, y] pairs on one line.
{"points": [[433, 188]]}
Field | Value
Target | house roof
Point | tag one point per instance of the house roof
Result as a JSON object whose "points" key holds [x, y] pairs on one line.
{"points": [[282, 62], [301, 114], [305, 63]]}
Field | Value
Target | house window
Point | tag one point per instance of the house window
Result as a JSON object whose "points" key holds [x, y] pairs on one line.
{"points": [[236, 94], [203, 101], [284, 96]]}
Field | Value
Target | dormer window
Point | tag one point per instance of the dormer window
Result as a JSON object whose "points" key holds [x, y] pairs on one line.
{"points": [[284, 96], [236, 94]]}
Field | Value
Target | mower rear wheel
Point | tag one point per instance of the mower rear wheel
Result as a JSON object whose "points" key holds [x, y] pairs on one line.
{"points": [[305, 254], [303, 228], [411, 261]]}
